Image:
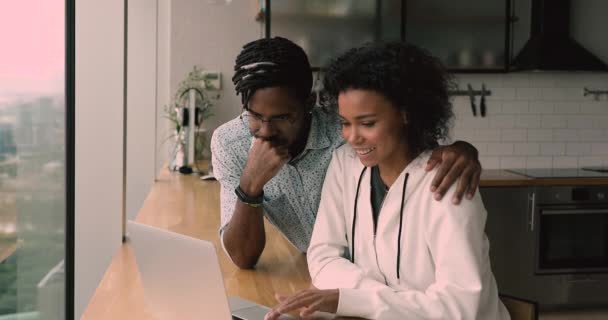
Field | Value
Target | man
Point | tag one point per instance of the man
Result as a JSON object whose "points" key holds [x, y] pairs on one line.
{"points": [[271, 160]]}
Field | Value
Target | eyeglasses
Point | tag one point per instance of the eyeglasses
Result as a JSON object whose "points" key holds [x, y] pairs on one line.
{"points": [[254, 121]]}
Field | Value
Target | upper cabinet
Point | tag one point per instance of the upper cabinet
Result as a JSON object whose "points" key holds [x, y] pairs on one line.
{"points": [[326, 28], [467, 35]]}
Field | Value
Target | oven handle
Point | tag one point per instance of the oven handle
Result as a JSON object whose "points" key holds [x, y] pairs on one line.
{"points": [[532, 203], [573, 211]]}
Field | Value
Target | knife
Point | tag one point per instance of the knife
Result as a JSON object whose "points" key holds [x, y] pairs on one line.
{"points": [[472, 98]]}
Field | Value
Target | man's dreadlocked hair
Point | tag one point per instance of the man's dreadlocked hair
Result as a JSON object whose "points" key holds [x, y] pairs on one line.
{"points": [[272, 62]]}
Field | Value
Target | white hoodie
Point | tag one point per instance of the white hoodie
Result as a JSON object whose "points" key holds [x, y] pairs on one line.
{"points": [[444, 264]]}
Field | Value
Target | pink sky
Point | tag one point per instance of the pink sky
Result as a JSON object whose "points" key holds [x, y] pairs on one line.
{"points": [[32, 44]]}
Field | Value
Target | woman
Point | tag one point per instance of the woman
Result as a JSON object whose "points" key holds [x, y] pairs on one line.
{"points": [[382, 248]]}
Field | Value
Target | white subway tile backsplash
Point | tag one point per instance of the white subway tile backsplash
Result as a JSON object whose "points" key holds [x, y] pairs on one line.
{"points": [[580, 149], [565, 162], [536, 120], [526, 149], [592, 135], [565, 135], [515, 107], [489, 162], [600, 122], [516, 80], [552, 149], [593, 80], [592, 161], [500, 149], [502, 122], [462, 134], [562, 94], [528, 121], [528, 93], [540, 135], [481, 147], [490, 135], [514, 135], [493, 108], [595, 107], [572, 81], [472, 122], [580, 122], [542, 107], [502, 94], [553, 121], [461, 106], [512, 162], [539, 162], [567, 107], [600, 148], [542, 80]]}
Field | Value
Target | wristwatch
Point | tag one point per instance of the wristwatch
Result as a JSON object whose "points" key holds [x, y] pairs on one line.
{"points": [[248, 200]]}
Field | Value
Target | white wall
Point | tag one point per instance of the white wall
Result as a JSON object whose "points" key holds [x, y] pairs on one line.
{"points": [[163, 87], [99, 142], [209, 34], [536, 120], [141, 103]]}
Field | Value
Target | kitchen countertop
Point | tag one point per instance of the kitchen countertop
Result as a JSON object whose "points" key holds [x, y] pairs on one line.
{"points": [[504, 178]]}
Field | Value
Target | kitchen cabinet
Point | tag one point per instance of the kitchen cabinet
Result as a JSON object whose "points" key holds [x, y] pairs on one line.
{"points": [[467, 35], [326, 28], [511, 243]]}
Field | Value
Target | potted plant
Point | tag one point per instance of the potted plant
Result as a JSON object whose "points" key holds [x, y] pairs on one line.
{"points": [[205, 97]]}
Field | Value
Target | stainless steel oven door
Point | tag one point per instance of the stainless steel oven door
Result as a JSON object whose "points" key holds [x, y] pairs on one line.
{"points": [[571, 239]]}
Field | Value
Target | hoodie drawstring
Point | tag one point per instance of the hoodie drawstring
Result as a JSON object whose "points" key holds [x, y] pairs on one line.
{"points": [[352, 239], [352, 256]]}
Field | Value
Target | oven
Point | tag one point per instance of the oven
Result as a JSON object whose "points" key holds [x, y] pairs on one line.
{"points": [[550, 243], [570, 226]]}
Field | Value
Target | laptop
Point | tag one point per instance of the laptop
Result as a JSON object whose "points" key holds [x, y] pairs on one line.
{"points": [[182, 279]]}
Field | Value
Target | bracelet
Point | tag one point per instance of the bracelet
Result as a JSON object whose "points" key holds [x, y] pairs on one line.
{"points": [[254, 202]]}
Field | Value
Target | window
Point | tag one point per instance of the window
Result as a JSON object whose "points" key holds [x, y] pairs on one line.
{"points": [[35, 163]]}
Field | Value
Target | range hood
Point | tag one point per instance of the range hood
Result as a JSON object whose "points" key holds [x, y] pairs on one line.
{"points": [[550, 46]]}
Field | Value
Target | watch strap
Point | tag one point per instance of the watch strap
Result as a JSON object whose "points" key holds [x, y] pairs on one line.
{"points": [[249, 200]]}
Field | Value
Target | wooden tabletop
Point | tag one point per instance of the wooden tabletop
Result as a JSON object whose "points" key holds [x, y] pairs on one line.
{"points": [[187, 205]]}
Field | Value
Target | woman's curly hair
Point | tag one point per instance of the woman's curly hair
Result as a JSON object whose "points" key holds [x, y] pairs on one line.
{"points": [[412, 79]]}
